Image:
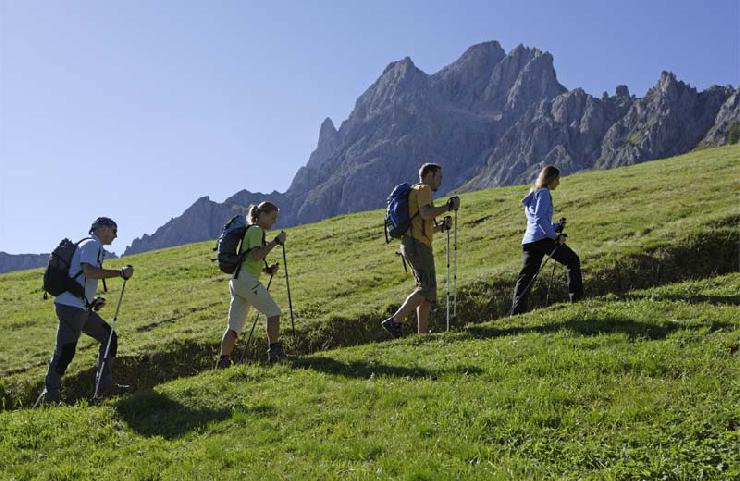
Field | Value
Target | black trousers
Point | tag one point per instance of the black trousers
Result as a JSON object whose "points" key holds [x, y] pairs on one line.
{"points": [[73, 322], [533, 254]]}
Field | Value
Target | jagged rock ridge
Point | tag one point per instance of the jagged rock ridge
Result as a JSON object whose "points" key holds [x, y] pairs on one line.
{"points": [[21, 262], [490, 118]]}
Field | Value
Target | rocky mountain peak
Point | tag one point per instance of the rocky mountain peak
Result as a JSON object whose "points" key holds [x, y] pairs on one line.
{"points": [[400, 68], [465, 80], [667, 79], [401, 83], [534, 78], [669, 87], [328, 142], [480, 57], [327, 128], [671, 119]]}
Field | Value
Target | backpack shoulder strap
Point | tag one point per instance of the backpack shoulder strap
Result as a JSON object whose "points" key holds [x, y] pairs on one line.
{"points": [[76, 246], [82, 240], [418, 211], [244, 255], [100, 264]]}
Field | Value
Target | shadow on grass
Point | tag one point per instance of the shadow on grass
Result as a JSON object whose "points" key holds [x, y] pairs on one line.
{"points": [[141, 372], [634, 329], [368, 369], [150, 413], [695, 299]]}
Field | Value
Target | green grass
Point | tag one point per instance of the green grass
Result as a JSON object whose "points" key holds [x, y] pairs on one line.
{"points": [[640, 381], [641, 387], [733, 134], [645, 225]]}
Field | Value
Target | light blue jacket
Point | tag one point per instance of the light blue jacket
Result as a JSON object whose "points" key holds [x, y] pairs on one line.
{"points": [[538, 209]]}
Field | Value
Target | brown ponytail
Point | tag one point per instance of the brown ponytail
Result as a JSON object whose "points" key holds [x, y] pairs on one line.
{"points": [[548, 174], [253, 214]]}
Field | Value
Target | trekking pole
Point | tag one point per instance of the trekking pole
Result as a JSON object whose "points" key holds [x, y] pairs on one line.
{"points": [[254, 324], [549, 285], [559, 231], [536, 274], [110, 339], [447, 283], [454, 277], [287, 284]]}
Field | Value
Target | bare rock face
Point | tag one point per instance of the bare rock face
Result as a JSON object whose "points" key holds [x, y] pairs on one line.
{"points": [[201, 221], [454, 117], [671, 119], [464, 82], [20, 262], [566, 131], [726, 128], [328, 143], [490, 118]]}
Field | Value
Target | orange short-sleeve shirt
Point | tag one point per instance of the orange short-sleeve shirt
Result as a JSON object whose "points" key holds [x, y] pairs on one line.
{"points": [[421, 230]]}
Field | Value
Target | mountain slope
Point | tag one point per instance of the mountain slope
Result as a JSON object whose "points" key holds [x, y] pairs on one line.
{"points": [[490, 118], [19, 262], [631, 228]]}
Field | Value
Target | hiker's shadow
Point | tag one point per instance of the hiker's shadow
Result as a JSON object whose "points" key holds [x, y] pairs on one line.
{"points": [[695, 299], [150, 413], [585, 327], [369, 369]]}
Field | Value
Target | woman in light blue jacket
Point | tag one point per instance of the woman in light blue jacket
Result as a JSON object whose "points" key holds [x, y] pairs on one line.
{"points": [[541, 238]]}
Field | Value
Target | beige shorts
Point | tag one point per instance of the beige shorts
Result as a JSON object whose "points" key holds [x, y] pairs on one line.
{"points": [[247, 291]]}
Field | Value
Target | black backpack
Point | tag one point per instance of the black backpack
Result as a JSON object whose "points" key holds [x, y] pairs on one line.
{"points": [[227, 245], [56, 276]]}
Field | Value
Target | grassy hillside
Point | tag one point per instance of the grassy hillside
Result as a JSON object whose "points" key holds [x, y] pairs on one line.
{"points": [[634, 227], [638, 387]]}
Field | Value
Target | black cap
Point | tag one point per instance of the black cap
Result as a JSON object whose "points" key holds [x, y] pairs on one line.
{"points": [[102, 222]]}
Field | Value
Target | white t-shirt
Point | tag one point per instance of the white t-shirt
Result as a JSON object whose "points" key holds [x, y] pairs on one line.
{"points": [[88, 252]]}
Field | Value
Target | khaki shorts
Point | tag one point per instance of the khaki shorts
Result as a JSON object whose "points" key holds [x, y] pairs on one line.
{"points": [[246, 291], [421, 259]]}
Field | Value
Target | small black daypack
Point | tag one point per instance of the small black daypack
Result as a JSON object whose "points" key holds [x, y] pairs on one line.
{"points": [[56, 276], [228, 243]]}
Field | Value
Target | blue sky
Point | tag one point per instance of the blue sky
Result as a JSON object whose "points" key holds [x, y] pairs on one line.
{"points": [[135, 109]]}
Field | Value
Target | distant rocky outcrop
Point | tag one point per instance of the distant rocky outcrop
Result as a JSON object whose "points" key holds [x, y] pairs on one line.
{"points": [[726, 128], [21, 262], [201, 221], [490, 118], [566, 131], [672, 119]]}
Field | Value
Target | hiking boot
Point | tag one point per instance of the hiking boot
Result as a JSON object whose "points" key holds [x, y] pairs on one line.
{"points": [[224, 362], [392, 327], [276, 353], [49, 398], [112, 389]]}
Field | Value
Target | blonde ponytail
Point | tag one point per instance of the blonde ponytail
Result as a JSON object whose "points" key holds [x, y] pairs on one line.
{"points": [[253, 214]]}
